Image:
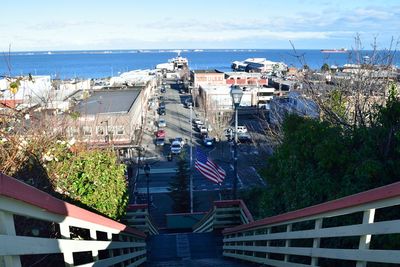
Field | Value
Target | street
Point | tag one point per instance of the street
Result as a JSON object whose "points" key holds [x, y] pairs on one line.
{"points": [[179, 124]]}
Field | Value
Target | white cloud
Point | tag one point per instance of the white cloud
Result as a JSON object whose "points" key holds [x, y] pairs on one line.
{"points": [[322, 23]]}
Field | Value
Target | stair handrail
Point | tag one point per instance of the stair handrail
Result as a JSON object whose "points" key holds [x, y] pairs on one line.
{"points": [[221, 209], [139, 217], [18, 198], [252, 242]]}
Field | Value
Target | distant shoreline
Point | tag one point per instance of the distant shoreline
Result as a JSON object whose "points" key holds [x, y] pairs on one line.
{"points": [[116, 51]]}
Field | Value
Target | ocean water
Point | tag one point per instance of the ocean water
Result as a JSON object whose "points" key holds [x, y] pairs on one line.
{"points": [[98, 64]]}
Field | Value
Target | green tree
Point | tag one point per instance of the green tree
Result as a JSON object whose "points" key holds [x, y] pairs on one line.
{"points": [[179, 187], [325, 67], [93, 178], [320, 160]]}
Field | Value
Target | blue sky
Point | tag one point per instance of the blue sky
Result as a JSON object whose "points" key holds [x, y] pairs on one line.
{"points": [[174, 24]]}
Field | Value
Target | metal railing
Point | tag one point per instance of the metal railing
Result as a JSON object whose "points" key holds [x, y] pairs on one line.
{"points": [[224, 213], [118, 243], [345, 229], [138, 216]]}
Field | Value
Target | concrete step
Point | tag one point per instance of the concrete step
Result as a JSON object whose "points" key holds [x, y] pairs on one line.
{"points": [[184, 246], [210, 262]]}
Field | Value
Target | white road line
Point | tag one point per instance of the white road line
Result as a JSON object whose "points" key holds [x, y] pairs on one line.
{"points": [[160, 170]]}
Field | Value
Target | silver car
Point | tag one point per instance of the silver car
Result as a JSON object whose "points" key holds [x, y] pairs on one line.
{"points": [[162, 123], [176, 147]]}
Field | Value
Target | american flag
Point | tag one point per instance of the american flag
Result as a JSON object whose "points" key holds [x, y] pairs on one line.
{"points": [[209, 169]]}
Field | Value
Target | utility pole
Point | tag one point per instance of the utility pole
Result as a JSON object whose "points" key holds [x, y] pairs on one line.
{"points": [[191, 160]]}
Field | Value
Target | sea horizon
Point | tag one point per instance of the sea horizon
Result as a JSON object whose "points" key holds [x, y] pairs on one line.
{"points": [[67, 64], [168, 50]]}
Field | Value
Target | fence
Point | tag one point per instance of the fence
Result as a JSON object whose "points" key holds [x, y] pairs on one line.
{"points": [[109, 242], [353, 231], [138, 216], [225, 213]]}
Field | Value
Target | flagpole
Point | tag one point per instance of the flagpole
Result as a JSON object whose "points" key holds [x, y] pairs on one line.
{"points": [[191, 160]]}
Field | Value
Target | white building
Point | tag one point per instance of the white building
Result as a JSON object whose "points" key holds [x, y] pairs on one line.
{"points": [[293, 103], [218, 97], [259, 65], [133, 78], [31, 91]]}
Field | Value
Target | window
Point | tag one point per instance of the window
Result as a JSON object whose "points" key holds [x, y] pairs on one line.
{"points": [[72, 131], [100, 130], [265, 93], [110, 130], [119, 130], [87, 130]]}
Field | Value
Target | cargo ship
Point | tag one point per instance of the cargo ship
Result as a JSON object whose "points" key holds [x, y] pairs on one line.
{"points": [[341, 50]]}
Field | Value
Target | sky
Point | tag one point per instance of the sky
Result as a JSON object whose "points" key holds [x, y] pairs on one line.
{"points": [[47, 25]]}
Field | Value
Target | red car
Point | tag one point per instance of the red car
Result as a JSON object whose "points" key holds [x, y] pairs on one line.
{"points": [[160, 133]]}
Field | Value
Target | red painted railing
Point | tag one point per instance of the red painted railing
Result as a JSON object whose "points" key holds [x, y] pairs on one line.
{"points": [[18, 198], [381, 193], [269, 241], [18, 190], [224, 213]]}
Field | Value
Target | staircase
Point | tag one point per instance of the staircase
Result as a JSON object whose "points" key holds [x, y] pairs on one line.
{"points": [[187, 249]]}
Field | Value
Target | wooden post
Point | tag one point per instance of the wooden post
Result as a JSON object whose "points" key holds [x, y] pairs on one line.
{"points": [[7, 227], [287, 242], [121, 239], [95, 253], [66, 234], [254, 243], [316, 241], [368, 218], [110, 251], [268, 243]]}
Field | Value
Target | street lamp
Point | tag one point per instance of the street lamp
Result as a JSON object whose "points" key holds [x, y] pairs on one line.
{"points": [[146, 169], [236, 94]]}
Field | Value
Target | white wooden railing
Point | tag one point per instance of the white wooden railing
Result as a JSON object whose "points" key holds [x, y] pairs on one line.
{"points": [[299, 238], [125, 246], [138, 217], [224, 213]]}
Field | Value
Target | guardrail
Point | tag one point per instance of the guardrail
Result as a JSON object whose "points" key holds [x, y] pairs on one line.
{"points": [[339, 230], [117, 242], [138, 216], [224, 213]]}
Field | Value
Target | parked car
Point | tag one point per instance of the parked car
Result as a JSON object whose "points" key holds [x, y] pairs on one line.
{"points": [[162, 123], [160, 141], [197, 122], [188, 103], [161, 111], [244, 138], [180, 139], [203, 129], [228, 132], [176, 147], [163, 90], [242, 129], [162, 105], [160, 133], [208, 141]]}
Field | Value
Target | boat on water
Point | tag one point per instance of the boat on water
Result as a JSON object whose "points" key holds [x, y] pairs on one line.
{"points": [[341, 50]]}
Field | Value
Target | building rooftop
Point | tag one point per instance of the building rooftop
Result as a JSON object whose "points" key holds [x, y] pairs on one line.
{"points": [[207, 71], [108, 101]]}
